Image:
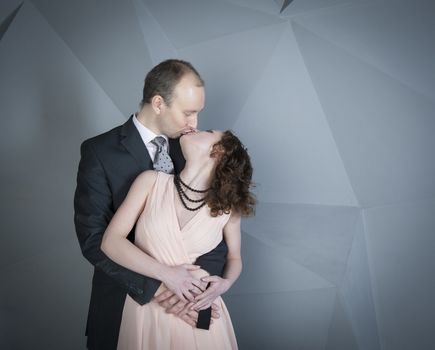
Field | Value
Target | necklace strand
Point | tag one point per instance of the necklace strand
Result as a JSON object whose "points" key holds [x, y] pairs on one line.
{"points": [[188, 187], [183, 194]]}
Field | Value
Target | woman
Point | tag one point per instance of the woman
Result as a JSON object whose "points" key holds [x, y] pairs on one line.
{"points": [[178, 219]]}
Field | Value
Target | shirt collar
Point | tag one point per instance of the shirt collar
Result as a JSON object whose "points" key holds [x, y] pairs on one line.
{"points": [[146, 134]]}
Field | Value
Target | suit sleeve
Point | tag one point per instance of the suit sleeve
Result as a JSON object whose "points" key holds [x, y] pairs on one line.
{"points": [[93, 210], [213, 262]]}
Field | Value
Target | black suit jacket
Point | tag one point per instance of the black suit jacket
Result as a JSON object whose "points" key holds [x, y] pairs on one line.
{"points": [[109, 164]]}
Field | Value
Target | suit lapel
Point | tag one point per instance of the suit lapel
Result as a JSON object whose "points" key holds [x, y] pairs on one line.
{"points": [[132, 141]]}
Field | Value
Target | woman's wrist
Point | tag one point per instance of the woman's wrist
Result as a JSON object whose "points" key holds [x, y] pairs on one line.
{"points": [[227, 284], [163, 272]]}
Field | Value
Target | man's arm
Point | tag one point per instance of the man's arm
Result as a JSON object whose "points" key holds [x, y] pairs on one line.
{"points": [[93, 209]]}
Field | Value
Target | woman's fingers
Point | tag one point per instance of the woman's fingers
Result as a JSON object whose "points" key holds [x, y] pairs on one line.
{"points": [[203, 295], [210, 279], [195, 290], [191, 267], [187, 296]]}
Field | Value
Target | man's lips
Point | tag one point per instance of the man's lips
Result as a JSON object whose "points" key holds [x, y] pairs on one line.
{"points": [[187, 132]]}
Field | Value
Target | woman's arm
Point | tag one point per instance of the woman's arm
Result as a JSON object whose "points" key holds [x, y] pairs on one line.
{"points": [[233, 267], [118, 248]]}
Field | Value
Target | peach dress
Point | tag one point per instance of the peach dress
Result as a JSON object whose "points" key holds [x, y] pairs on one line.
{"points": [[158, 234]]}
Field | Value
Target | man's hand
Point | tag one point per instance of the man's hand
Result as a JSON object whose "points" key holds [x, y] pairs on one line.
{"points": [[173, 305], [218, 286]]}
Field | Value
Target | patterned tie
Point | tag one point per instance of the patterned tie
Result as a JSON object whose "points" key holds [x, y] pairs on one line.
{"points": [[162, 161]]}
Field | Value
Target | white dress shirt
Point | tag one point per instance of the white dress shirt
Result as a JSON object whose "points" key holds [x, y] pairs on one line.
{"points": [[147, 136]]}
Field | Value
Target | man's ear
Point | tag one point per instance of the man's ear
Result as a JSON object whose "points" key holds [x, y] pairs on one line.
{"points": [[157, 103]]}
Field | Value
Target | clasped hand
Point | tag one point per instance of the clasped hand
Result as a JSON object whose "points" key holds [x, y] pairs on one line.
{"points": [[217, 287], [187, 294], [185, 286]]}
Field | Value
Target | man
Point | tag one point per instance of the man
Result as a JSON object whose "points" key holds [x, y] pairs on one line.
{"points": [[173, 96]]}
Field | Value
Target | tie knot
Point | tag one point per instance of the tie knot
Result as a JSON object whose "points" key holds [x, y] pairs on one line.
{"points": [[159, 141], [162, 160]]}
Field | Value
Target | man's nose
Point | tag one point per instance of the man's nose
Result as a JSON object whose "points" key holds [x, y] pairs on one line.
{"points": [[193, 121]]}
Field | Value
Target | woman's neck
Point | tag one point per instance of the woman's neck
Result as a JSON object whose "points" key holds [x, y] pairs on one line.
{"points": [[197, 175]]}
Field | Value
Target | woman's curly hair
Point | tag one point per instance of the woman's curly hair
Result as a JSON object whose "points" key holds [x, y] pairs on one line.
{"points": [[229, 190]]}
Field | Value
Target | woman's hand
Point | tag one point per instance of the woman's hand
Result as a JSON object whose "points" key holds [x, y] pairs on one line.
{"points": [[218, 286], [181, 281]]}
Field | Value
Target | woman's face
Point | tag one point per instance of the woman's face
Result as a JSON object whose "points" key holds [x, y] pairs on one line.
{"points": [[199, 142]]}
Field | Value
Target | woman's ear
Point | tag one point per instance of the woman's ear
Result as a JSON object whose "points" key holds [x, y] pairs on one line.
{"points": [[217, 151]]}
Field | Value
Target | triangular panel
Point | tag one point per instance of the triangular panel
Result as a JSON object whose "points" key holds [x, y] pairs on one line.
{"points": [[231, 66], [4, 25], [382, 128], [394, 36], [308, 7], [265, 271], [107, 38], [270, 7], [60, 280], [211, 19], [282, 123], [40, 146], [341, 335], [400, 248], [356, 293], [316, 237], [287, 320], [159, 46]]}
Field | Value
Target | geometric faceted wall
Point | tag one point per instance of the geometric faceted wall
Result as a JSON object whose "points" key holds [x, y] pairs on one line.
{"points": [[335, 100]]}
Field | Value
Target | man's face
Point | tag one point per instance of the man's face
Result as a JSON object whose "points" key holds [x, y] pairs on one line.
{"points": [[181, 116]]}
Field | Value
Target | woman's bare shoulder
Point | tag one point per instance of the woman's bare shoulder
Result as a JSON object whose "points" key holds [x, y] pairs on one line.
{"points": [[145, 180]]}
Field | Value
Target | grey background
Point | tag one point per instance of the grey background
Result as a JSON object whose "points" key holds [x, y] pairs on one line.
{"points": [[335, 100]]}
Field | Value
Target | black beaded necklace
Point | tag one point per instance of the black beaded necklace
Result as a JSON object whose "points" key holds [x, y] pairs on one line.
{"points": [[183, 195]]}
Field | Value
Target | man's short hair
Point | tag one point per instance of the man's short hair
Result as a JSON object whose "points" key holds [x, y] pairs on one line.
{"points": [[162, 79]]}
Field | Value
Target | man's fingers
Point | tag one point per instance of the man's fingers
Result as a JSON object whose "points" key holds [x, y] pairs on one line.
{"points": [[172, 300], [184, 310], [176, 308], [163, 296], [191, 317], [169, 302], [188, 320], [215, 314], [202, 306]]}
